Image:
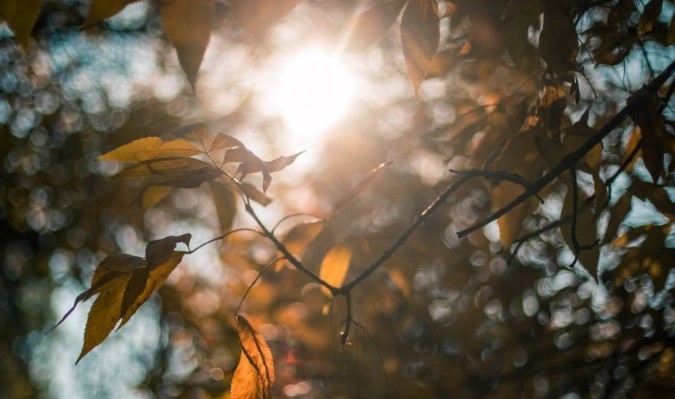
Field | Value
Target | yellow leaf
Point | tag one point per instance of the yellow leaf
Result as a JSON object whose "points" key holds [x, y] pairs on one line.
{"points": [[334, 267], [420, 35], [187, 24], [104, 9], [104, 313], [20, 16], [152, 195], [372, 25], [156, 277], [150, 148], [254, 376]]}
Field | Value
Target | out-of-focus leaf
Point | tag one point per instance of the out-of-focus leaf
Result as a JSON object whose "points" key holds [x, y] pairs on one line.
{"points": [[253, 193], [157, 252], [649, 17], [225, 201], [258, 16], [150, 148], [558, 38], [617, 215], [651, 256], [104, 9], [20, 16], [187, 24], [155, 278], [152, 195], [301, 235], [222, 141], [371, 26], [585, 231], [419, 36], [172, 172], [254, 376], [334, 267]]}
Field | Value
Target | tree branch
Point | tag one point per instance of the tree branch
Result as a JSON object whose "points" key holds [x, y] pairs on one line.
{"points": [[570, 160]]}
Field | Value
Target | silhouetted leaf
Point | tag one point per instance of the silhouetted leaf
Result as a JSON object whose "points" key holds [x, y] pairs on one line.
{"points": [[585, 231], [617, 215], [104, 9], [172, 172], [558, 38], [187, 24], [158, 251], [150, 148], [420, 36], [649, 17], [20, 16], [254, 376], [334, 267], [257, 16], [253, 193], [372, 25]]}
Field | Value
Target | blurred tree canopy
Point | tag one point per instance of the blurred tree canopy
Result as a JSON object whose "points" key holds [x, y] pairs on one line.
{"points": [[492, 216]]}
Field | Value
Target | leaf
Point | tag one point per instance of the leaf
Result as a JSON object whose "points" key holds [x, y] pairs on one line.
{"points": [[652, 256], [104, 314], [254, 376], [420, 35], [187, 24], [104, 9], [299, 236], [649, 17], [159, 251], [152, 195], [334, 267], [226, 203], [372, 25], [253, 193], [150, 148], [172, 172], [585, 231], [258, 16], [617, 215], [156, 277], [20, 16], [558, 38], [222, 141]]}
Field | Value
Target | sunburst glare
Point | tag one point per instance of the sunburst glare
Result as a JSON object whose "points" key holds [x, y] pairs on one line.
{"points": [[311, 90]]}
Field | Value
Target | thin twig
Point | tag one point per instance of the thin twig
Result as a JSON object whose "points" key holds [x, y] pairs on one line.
{"points": [[571, 159], [255, 280]]}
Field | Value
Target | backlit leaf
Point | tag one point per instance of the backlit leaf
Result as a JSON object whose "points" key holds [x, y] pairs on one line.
{"points": [[225, 201], [222, 141], [254, 194], [104, 9], [152, 195], [258, 16], [156, 277], [301, 235], [254, 376], [150, 148], [104, 313], [419, 36], [334, 267], [172, 172], [187, 24], [372, 25], [20, 16]]}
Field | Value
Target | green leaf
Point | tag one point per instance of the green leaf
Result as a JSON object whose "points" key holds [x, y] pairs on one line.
{"points": [[150, 148], [254, 376], [187, 24], [372, 25], [420, 35], [20, 16]]}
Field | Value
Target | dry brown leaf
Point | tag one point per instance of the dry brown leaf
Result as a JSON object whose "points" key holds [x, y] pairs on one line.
{"points": [[334, 267], [104, 9], [254, 376], [372, 25], [258, 16], [225, 201], [420, 35], [187, 24]]}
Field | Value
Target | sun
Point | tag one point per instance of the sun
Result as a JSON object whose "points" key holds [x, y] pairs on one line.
{"points": [[310, 91]]}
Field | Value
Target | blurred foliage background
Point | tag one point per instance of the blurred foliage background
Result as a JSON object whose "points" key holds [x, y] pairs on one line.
{"points": [[486, 315]]}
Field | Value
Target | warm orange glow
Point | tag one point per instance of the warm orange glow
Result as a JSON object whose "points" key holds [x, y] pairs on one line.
{"points": [[311, 91]]}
